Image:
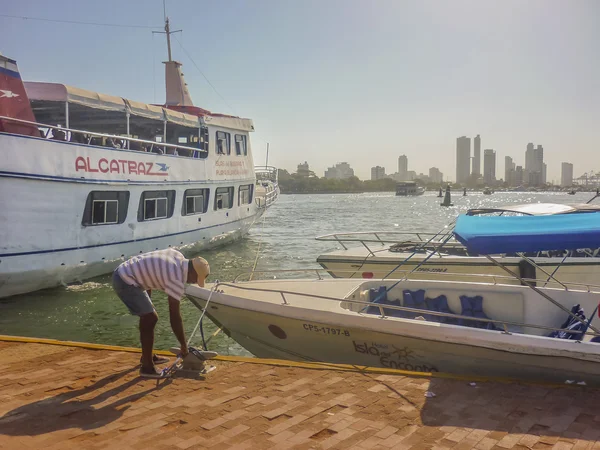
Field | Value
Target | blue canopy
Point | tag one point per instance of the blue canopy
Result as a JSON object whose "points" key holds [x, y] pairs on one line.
{"points": [[497, 234]]}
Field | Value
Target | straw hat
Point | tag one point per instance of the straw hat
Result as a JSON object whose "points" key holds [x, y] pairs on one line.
{"points": [[202, 269]]}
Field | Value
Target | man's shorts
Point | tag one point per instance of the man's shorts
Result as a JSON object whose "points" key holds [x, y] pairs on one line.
{"points": [[135, 298]]}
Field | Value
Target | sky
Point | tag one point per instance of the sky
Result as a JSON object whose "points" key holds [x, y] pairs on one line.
{"points": [[327, 81]]}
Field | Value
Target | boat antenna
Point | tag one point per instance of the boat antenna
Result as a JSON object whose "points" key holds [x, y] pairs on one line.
{"points": [[167, 31], [267, 160]]}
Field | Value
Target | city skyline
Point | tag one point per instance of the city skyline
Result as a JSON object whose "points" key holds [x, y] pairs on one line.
{"points": [[511, 75]]}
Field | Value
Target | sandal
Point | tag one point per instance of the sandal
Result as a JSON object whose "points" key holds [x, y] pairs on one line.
{"points": [[154, 374], [156, 359]]}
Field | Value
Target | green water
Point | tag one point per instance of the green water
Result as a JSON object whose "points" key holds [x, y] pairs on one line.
{"points": [[91, 312]]}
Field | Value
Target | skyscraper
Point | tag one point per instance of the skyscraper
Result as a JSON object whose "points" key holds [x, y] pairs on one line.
{"points": [[566, 176], [535, 173], [476, 156], [402, 168], [509, 171], [529, 158], [463, 159], [489, 167]]}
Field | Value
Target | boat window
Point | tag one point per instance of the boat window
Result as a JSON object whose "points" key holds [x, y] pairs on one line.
{"points": [[195, 201], [105, 208], [202, 144], [245, 194], [105, 211], [240, 145], [223, 198], [223, 143], [156, 205]]}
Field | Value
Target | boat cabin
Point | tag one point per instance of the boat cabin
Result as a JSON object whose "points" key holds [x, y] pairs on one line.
{"points": [[405, 188]]}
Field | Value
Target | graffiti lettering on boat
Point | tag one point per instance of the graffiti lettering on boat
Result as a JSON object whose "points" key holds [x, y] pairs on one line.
{"points": [[325, 330], [399, 358], [382, 350], [124, 166], [391, 364]]}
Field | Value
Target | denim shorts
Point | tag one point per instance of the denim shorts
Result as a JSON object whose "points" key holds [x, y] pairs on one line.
{"points": [[135, 298]]}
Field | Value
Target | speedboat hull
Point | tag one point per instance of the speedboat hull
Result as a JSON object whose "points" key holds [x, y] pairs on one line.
{"points": [[304, 331]]}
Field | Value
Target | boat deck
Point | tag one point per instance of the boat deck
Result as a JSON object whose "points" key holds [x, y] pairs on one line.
{"points": [[58, 396]]}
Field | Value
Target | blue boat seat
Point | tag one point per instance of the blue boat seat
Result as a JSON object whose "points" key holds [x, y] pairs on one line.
{"points": [[439, 304], [377, 296], [473, 307], [412, 299], [573, 324]]}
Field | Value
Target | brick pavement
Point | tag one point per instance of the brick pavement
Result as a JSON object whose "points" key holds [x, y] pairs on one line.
{"points": [[60, 397]]}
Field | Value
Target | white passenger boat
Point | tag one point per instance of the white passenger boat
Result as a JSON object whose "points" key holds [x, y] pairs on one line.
{"points": [[378, 254], [488, 327], [89, 179]]}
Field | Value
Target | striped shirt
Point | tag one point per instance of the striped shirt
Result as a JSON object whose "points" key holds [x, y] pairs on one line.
{"points": [[165, 270]]}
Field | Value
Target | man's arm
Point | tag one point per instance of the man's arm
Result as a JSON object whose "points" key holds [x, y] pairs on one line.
{"points": [[177, 324]]}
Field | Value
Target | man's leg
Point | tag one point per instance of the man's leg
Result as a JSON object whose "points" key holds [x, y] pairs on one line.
{"points": [[147, 324]]}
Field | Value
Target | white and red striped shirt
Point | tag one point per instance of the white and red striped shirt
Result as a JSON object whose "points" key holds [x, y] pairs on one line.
{"points": [[166, 270]]}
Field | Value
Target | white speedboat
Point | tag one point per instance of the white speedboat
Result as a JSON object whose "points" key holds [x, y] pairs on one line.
{"points": [[478, 328], [385, 254], [89, 179]]}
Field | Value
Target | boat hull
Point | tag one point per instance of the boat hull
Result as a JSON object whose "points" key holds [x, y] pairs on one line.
{"points": [[43, 240], [573, 270], [290, 333]]}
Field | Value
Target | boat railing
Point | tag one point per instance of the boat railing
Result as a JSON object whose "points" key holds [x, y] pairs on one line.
{"points": [[269, 173], [267, 177], [88, 136], [410, 275], [384, 238], [362, 306]]}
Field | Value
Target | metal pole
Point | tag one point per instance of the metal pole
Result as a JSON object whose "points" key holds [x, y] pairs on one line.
{"points": [[66, 114], [128, 135], [267, 160]]}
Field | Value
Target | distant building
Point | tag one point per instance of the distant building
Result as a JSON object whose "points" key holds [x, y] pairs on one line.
{"points": [[463, 159], [509, 171], [476, 171], [303, 170], [410, 175], [489, 167], [535, 172], [435, 176], [518, 176], [544, 168], [340, 171], [402, 168], [566, 175], [377, 173]]}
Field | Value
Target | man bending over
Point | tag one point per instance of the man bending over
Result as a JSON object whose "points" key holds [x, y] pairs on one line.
{"points": [[168, 271]]}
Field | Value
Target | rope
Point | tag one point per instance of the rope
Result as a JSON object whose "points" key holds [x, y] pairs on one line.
{"points": [[195, 330], [262, 228]]}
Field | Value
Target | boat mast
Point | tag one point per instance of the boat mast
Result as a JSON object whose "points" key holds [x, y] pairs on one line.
{"points": [[177, 93]]}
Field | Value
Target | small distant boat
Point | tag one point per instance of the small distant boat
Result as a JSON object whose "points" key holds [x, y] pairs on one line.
{"points": [[440, 194], [408, 188], [464, 192], [571, 192], [487, 191]]}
